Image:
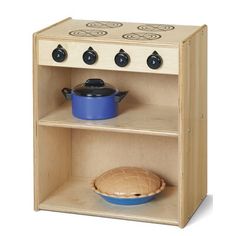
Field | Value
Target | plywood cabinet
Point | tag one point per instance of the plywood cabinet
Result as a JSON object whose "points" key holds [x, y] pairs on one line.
{"points": [[161, 125]]}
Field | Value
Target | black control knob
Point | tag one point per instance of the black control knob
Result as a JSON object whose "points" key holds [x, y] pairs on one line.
{"points": [[122, 58], [59, 54], [154, 61], [90, 56]]}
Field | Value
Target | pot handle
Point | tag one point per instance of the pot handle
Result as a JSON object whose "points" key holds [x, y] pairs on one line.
{"points": [[120, 95], [67, 93]]}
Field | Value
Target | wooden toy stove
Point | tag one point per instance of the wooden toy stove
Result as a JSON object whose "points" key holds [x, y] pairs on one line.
{"points": [[161, 125]]}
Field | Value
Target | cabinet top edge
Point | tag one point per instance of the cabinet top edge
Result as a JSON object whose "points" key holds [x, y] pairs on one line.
{"points": [[118, 32]]}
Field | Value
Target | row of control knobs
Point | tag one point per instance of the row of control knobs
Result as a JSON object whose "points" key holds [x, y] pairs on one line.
{"points": [[122, 58]]}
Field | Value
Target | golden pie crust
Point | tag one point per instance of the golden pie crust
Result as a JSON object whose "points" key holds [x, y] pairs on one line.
{"points": [[128, 182]]}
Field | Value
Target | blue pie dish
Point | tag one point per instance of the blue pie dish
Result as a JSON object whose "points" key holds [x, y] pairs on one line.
{"points": [[128, 201], [136, 200], [128, 186]]}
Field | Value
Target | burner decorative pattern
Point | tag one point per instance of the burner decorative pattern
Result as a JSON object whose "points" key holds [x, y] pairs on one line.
{"points": [[88, 33], [104, 24], [155, 27], [141, 36]]}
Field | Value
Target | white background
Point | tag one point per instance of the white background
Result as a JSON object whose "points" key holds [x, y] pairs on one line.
{"points": [[18, 20]]}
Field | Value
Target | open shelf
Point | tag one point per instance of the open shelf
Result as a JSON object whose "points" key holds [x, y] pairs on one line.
{"points": [[138, 118], [76, 196]]}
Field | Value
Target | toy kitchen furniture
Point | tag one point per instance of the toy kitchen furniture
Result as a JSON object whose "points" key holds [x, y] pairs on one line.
{"points": [[161, 125]]}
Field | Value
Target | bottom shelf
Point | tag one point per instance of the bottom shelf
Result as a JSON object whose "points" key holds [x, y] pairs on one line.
{"points": [[75, 196]]}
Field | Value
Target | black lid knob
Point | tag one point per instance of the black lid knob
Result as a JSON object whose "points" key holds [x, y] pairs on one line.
{"points": [[90, 56], [122, 58], [94, 83], [154, 61], [59, 54]]}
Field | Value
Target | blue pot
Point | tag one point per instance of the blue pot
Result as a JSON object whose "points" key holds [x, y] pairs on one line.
{"points": [[94, 100]]}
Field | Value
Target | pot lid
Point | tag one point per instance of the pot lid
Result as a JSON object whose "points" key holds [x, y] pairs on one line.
{"points": [[94, 88], [128, 182]]}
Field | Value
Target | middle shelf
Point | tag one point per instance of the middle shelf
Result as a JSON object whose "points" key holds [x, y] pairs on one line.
{"points": [[138, 118]]}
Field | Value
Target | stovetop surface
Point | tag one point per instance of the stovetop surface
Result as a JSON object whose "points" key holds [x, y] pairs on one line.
{"points": [[119, 32]]}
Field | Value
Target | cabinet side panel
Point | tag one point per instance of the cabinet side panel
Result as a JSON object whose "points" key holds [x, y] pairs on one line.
{"points": [[54, 159], [49, 84], [47, 96], [35, 114], [193, 124]]}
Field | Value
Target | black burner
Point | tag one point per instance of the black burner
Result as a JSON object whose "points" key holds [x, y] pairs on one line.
{"points": [[141, 36], [104, 24], [88, 33], [155, 27]]}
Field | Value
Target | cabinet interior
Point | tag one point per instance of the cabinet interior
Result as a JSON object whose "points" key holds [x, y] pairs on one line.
{"points": [[144, 88], [71, 157]]}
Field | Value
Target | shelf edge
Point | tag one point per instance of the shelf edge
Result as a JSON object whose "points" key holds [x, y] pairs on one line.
{"points": [[109, 129], [47, 207]]}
